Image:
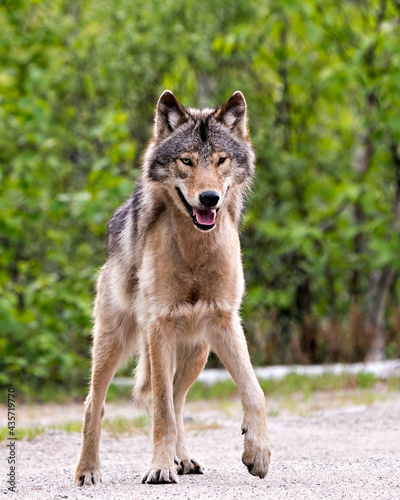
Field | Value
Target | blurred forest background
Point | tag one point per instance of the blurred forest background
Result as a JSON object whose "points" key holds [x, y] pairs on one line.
{"points": [[78, 85]]}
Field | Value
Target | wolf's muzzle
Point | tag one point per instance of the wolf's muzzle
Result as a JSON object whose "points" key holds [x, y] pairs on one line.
{"points": [[204, 219]]}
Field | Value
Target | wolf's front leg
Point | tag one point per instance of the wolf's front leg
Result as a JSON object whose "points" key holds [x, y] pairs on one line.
{"points": [[228, 341], [162, 360], [106, 359]]}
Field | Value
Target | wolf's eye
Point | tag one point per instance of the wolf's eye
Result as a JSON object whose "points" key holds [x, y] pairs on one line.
{"points": [[221, 160], [186, 161]]}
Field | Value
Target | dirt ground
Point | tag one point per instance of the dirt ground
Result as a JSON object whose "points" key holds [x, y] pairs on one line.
{"points": [[330, 446]]}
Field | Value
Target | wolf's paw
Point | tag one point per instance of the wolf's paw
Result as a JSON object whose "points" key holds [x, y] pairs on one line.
{"points": [[160, 476], [87, 477], [190, 466], [257, 454]]}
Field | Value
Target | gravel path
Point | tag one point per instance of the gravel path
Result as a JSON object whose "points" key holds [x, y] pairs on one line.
{"points": [[349, 452]]}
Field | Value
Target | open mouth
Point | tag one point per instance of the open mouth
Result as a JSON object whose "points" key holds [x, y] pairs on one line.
{"points": [[203, 219]]}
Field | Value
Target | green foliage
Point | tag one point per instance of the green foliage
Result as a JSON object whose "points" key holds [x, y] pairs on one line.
{"points": [[78, 85]]}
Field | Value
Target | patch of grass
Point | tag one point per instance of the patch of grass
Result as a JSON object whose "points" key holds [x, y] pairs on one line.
{"points": [[394, 384], [23, 432], [3, 433], [290, 405], [330, 382], [30, 432], [365, 380], [197, 392], [71, 426], [291, 384], [327, 382], [366, 398], [118, 393], [220, 390], [62, 395], [116, 428], [121, 426]]}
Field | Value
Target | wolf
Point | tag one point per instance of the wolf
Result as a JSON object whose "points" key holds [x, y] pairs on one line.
{"points": [[172, 286]]}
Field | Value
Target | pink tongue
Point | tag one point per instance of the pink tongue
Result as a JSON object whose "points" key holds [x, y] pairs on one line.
{"points": [[205, 217]]}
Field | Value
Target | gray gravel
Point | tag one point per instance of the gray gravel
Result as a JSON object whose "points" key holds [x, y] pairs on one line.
{"points": [[349, 452]]}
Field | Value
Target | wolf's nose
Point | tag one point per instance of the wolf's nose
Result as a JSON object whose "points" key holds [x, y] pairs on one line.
{"points": [[209, 198]]}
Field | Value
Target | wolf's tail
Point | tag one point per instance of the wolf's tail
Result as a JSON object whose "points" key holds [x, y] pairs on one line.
{"points": [[141, 393]]}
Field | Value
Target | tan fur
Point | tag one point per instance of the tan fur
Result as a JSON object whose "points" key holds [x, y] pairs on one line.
{"points": [[172, 294]]}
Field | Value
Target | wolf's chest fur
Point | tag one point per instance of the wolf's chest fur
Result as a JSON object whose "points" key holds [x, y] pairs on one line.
{"points": [[185, 278]]}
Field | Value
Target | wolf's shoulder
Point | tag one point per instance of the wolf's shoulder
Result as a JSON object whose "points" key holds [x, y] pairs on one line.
{"points": [[127, 213]]}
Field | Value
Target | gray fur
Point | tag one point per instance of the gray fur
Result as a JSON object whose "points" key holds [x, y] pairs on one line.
{"points": [[172, 286], [204, 131]]}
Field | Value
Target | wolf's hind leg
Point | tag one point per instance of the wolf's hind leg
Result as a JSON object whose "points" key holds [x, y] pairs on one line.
{"points": [[109, 351], [190, 362]]}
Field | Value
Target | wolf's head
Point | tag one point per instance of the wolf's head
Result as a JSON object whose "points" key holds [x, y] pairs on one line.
{"points": [[204, 158]]}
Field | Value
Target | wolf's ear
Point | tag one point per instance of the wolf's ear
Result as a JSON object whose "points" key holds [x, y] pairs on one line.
{"points": [[169, 114], [233, 114]]}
